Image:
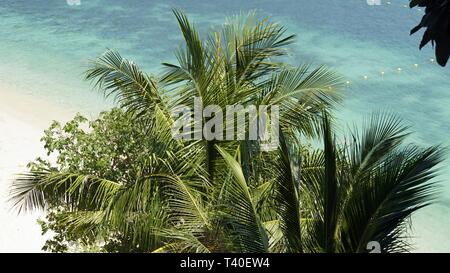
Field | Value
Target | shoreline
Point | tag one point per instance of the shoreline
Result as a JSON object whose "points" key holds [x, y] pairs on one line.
{"points": [[23, 118]]}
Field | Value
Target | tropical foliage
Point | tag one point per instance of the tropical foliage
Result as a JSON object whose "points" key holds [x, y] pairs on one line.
{"points": [[125, 184]]}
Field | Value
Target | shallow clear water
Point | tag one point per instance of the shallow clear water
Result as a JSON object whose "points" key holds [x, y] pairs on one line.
{"points": [[45, 45]]}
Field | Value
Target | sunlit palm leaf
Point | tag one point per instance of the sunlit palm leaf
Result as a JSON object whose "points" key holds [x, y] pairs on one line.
{"points": [[246, 225], [133, 89]]}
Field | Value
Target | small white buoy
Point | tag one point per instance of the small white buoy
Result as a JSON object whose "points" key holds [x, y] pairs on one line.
{"points": [[416, 65], [366, 77]]}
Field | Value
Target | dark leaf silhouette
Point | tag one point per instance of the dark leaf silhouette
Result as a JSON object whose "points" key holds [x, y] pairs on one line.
{"points": [[436, 21]]}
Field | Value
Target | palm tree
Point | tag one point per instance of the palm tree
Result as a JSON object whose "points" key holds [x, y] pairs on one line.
{"points": [[229, 196]]}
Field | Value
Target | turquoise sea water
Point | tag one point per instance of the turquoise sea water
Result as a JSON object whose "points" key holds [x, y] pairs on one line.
{"points": [[45, 45]]}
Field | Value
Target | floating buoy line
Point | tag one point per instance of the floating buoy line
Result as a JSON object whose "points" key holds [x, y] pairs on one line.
{"points": [[398, 70], [392, 71]]}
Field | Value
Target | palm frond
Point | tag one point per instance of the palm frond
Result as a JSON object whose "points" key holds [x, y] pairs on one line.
{"points": [[38, 188], [377, 163], [288, 190], [186, 204], [246, 225], [251, 43], [331, 188], [302, 95], [382, 134], [133, 89]]}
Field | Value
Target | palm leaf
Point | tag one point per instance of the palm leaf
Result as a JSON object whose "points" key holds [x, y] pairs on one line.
{"points": [[246, 225], [133, 89], [288, 190]]}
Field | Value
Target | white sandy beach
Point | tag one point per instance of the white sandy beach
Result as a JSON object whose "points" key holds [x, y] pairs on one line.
{"points": [[22, 121]]}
